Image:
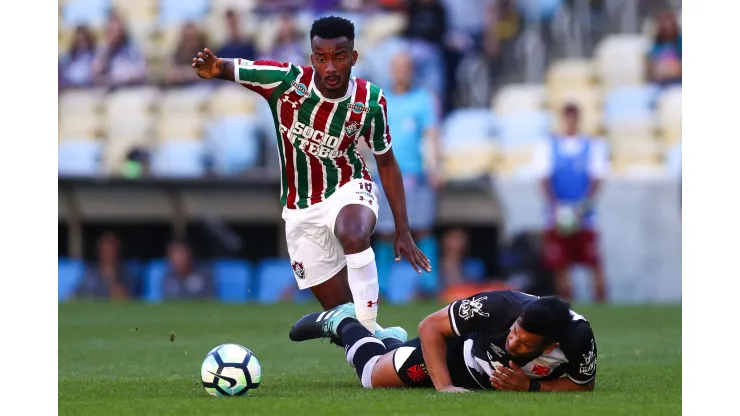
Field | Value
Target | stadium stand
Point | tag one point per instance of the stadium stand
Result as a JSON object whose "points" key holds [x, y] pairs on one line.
{"points": [[220, 129]]}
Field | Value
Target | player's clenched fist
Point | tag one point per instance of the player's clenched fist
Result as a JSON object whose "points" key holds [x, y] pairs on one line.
{"points": [[207, 65]]}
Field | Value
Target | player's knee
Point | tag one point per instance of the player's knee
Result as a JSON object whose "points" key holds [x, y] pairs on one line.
{"points": [[354, 238]]}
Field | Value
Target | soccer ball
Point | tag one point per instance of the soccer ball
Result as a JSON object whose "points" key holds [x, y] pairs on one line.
{"points": [[230, 370], [566, 217]]}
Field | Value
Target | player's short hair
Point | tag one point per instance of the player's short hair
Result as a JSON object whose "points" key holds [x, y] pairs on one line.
{"points": [[548, 316], [332, 27]]}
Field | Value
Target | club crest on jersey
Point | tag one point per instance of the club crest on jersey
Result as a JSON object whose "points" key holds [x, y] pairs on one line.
{"points": [[300, 89], [358, 108], [351, 128], [471, 307], [298, 269], [588, 365]]}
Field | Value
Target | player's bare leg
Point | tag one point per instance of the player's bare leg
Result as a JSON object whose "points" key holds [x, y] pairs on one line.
{"points": [[333, 292], [384, 373], [354, 228], [563, 284], [599, 283]]}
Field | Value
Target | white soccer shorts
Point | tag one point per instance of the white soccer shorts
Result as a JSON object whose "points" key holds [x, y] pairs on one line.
{"points": [[315, 252]]}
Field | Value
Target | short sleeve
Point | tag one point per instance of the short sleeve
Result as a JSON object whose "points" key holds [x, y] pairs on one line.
{"points": [[580, 351], [471, 314], [379, 136], [261, 76], [542, 160], [598, 159]]}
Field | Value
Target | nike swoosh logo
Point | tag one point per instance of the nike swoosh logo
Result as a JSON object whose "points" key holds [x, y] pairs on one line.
{"points": [[231, 381]]}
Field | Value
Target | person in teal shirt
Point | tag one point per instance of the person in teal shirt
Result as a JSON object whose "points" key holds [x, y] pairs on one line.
{"points": [[413, 124]]}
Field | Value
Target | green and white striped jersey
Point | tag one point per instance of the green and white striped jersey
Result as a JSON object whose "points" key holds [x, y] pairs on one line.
{"points": [[317, 136]]}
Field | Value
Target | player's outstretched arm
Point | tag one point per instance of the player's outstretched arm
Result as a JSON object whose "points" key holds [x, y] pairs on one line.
{"points": [[432, 331], [207, 65]]}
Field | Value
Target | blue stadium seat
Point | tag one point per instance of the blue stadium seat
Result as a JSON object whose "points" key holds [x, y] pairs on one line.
{"points": [[179, 159], [474, 269], [153, 279], [79, 157], [275, 276], [468, 124], [89, 12], [175, 12], [523, 128], [233, 279], [136, 268], [403, 282], [629, 102], [233, 144], [70, 276]]}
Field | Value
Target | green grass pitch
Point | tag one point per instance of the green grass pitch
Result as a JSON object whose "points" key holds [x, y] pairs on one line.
{"points": [[118, 360]]}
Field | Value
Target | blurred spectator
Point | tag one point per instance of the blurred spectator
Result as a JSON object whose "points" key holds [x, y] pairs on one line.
{"points": [[180, 70], [276, 6], [76, 66], [481, 74], [120, 62], [425, 33], [571, 168], [664, 58], [427, 21], [318, 6], [392, 5], [504, 28], [289, 43], [185, 279], [454, 250], [109, 278], [236, 46], [467, 18], [414, 126]]}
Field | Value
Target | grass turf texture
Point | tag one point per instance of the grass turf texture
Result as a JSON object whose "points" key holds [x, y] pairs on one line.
{"points": [[120, 360]]}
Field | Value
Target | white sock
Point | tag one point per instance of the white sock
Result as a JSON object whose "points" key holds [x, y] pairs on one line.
{"points": [[363, 281]]}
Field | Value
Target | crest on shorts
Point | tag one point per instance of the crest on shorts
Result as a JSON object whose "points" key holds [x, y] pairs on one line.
{"points": [[298, 269], [351, 128]]}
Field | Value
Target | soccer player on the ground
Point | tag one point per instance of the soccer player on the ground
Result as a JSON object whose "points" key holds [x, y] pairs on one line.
{"points": [[501, 340], [330, 201]]}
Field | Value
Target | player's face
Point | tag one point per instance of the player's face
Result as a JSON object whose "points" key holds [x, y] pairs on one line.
{"points": [[520, 343], [402, 69], [333, 60], [571, 122]]}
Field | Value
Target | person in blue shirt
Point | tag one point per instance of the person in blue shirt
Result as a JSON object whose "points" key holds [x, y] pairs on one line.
{"points": [[664, 57], [571, 167], [413, 124]]}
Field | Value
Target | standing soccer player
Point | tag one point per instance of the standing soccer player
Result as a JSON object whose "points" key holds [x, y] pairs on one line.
{"points": [[330, 201], [571, 168]]}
